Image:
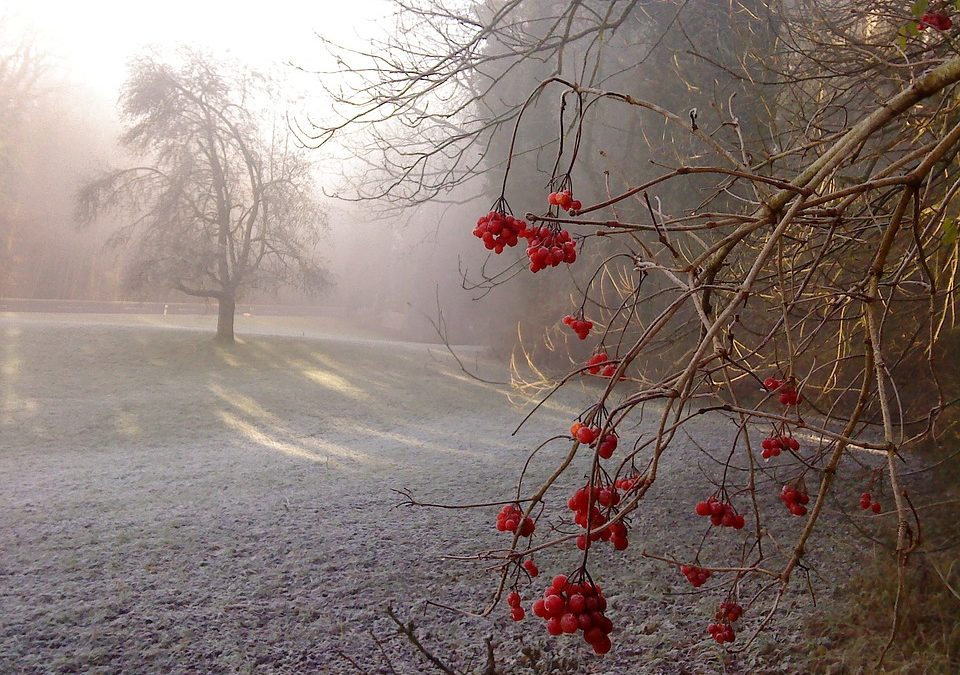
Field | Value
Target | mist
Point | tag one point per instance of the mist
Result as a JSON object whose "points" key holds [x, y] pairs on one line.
{"points": [[479, 336], [388, 269]]}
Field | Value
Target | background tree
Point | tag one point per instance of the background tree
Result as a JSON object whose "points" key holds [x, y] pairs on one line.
{"points": [[224, 200], [21, 68]]}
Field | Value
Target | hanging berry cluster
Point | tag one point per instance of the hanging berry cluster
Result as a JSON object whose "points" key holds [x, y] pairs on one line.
{"points": [[548, 247], [586, 504], [593, 363], [594, 366], [772, 446], [570, 607], [866, 502], [795, 500], [499, 230], [722, 514], [531, 567], [788, 394], [727, 613], [516, 611], [579, 326], [583, 433], [697, 576], [564, 200], [511, 517]]}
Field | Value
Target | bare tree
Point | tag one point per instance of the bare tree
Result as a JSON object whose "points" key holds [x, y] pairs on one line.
{"points": [[21, 70], [224, 201]]}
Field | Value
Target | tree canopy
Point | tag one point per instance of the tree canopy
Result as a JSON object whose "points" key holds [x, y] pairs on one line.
{"points": [[224, 200]]}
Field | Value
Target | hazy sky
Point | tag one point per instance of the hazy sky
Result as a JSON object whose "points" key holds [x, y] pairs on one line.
{"points": [[95, 39]]}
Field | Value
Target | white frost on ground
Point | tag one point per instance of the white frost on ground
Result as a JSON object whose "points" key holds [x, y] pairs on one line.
{"points": [[169, 505]]}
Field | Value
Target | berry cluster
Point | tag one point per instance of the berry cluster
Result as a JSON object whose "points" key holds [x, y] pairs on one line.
{"points": [[593, 366], [586, 514], [774, 445], [546, 248], [607, 445], [788, 393], [697, 576], [866, 502], [511, 517], [571, 607], [499, 230], [589, 435], [583, 433], [795, 500], [722, 514], [627, 483], [935, 20], [727, 613], [590, 516], [721, 632], [516, 611], [616, 534], [564, 200], [579, 326], [594, 362], [609, 370], [790, 396]]}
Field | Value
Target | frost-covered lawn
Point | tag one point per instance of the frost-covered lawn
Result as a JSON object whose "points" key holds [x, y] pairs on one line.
{"points": [[171, 505]]}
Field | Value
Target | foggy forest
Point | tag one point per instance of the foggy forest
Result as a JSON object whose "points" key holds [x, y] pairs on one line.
{"points": [[480, 337]]}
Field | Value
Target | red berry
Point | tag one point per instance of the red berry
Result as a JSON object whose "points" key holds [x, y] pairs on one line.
{"points": [[593, 635], [517, 613], [498, 230], [531, 567], [569, 623], [554, 605], [527, 527], [602, 646], [607, 445], [586, 435], [513, 599]]}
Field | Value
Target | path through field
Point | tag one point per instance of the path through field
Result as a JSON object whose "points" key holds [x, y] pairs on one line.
{"points": [[169, 505]]}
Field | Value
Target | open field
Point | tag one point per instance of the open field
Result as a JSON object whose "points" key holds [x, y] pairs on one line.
{"points": [[170, 505]]}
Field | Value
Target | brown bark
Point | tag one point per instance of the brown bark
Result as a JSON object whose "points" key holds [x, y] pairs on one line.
{"points": [[226, 307]]}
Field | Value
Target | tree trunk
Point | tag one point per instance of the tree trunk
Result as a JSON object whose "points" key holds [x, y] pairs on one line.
{"points": [[226, 306]]}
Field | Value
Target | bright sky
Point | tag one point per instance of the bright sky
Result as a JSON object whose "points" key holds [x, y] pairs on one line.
{"points": [[96, 38]]}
